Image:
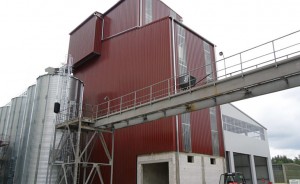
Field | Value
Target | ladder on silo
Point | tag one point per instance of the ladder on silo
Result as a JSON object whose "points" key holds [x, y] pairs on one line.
{"points": [[65, 73]]}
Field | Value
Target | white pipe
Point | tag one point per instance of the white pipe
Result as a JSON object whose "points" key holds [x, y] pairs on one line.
{"points": [[176, 118]]}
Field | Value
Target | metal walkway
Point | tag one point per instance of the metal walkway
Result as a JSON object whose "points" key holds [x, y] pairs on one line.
{"points": [[267, 68]]}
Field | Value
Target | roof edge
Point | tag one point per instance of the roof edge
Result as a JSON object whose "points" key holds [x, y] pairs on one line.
{"points": [[113, 7], [95, 14], [247, 116]]}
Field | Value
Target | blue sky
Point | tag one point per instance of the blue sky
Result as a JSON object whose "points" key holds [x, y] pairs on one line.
{"points": [[34, 36]]}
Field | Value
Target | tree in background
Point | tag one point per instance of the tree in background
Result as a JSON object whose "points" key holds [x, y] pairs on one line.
{"points": [[282, 159], [297, 160]]}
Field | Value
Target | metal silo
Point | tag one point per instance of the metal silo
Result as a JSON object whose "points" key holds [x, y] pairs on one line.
{"points": [[23, 156], [13, 130], [4, 113], [50, 88]]}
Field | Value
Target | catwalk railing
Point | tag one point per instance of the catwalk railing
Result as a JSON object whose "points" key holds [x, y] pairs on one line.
{"points": [[269, 53], [76, 111]]}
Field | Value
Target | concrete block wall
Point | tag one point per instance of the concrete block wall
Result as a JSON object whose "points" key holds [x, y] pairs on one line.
{"points": [[203, 170], [193, 168]]}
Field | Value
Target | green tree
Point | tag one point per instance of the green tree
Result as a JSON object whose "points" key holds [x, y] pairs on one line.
{"points": [[281, 159], [297, 160]]}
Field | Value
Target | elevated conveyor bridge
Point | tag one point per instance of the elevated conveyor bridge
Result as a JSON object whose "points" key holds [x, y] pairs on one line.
{"points": [[267, 68]]}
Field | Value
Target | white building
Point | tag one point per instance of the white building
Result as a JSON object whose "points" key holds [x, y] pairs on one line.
{"points": [[246, 145]]}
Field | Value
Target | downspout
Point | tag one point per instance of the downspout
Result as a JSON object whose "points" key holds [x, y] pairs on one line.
{"points": [[176, 118], [140, 18], [101, 17]]}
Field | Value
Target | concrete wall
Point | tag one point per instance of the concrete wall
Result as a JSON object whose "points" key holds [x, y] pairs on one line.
{"points": [[193, 168], [201, 170]]}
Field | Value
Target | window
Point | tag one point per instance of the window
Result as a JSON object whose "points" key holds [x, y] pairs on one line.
{"points": [[181, 50], [148, 11], [190, 159], [241, 127], [207, 57], [186, 131], [212, 161], [214, 131]]}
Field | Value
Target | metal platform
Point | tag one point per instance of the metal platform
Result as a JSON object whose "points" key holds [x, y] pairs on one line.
{"points": [[86, 124]]}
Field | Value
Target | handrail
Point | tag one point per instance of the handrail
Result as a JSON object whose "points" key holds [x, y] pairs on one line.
{"points": [[262, 44], [118, 105], [233, 65]]}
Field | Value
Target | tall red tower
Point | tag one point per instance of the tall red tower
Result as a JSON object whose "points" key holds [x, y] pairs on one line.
{"points": [[137, 43]]}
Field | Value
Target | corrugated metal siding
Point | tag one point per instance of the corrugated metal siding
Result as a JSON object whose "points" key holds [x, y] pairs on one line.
{"points": [[15, 124], [26, 131], [4, 114], [193, 54], [159, 10], [85, 41], [129, 62], [122, 17], [154, 137], [201, 132], [162, 10]]}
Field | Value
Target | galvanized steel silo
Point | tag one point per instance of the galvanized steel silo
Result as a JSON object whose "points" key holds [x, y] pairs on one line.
{"points": [[49, 89], [4, 113], [23, 152], [13, 130]]}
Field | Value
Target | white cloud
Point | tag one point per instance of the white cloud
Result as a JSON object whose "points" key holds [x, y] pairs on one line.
{"points": [[290, 153]]}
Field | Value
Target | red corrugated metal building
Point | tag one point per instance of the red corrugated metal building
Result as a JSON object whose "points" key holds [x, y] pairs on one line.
{"points": [[134, 44]]}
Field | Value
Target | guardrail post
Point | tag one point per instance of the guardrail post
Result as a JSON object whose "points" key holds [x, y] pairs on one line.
{"points": [[212, 74], [134, 100], [241, 64], [121, 101], [96, 114], [108, 107], [190, 85], [151, 94], [224, 65], [169, 87], [274, 52]]}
